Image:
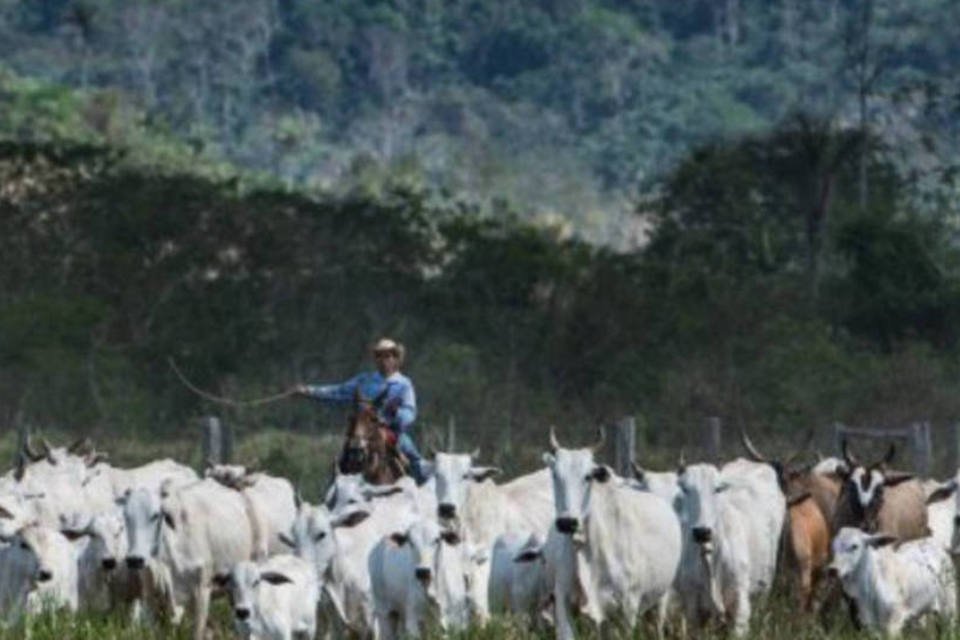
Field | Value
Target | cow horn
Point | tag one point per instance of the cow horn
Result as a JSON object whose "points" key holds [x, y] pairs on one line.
{"points": [[554, 444], [29, 450], [21, 468], [81, 446], [638, 473], [752, 450], [47, 450], [682, 462], [475, 454], [888, 457], [602, 435], [848, 457]]}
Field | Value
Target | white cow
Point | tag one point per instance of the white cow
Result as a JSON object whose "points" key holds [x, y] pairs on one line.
{"points": [[39, 570], [416, 575], [337, 546], [479, 510], [893, 586], [271, 497], [196, 532], [623, 546], [518, 581], [732, 522], [275, 599]]}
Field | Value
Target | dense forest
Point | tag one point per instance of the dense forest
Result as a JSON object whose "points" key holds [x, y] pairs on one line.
{"points": [[569, 210]]}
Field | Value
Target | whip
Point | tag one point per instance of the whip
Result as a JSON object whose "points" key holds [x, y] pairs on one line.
{"points": [[227, 401]]}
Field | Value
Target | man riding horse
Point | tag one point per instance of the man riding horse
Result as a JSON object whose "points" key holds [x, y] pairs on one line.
{"points": [[388, 392]]}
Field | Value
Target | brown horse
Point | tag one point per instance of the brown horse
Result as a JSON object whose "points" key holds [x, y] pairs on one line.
{"points": [[370, 447]]}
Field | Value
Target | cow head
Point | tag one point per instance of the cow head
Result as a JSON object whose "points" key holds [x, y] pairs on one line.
{"points": [[439, 568], [311, 536], [454, 474], [107, 533], [144, 515], [351, 491], [851, 547], [243, 584], [574, 472], [865, 484], [50, 561], [700, 485]]}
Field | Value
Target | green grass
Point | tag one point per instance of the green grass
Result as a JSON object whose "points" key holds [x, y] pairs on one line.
{"points": [[776, 619]]}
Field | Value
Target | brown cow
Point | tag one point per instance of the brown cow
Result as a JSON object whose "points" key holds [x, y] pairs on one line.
{"points": [[808, 538], [810, 497]]}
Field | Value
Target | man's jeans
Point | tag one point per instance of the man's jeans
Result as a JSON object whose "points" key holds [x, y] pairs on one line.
{"points": [[407, 447]]}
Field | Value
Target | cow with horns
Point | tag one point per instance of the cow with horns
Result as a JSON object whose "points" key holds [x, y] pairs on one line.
{"points": [[623, 547], [811, 501], [878, 500]]}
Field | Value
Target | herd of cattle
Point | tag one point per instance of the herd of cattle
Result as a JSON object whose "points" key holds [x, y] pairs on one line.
{"points": [[693, 546]]}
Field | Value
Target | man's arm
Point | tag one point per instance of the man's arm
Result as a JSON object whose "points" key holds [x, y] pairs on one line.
{"points": [[407, 411], [342, 393]]}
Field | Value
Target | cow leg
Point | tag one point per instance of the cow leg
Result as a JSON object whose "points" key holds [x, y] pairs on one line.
{"points": [[561, 618], [741, 615], [201, 604], [411, 619], [663, 610]]}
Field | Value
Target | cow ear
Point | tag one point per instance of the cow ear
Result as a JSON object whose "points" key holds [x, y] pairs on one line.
{"points": [[894, 478], [398, 539], [793, 501], [942, 492], [450, 537], [274, 577], [528, 555], [601, 473], [374, 491], [548, 459], [287, 540], [350, 519], [479, 474], [881, 540], [221, 579], [5, 513], [168, 519]]}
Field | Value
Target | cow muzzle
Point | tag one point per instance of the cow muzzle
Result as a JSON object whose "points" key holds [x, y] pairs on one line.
{"points": [[567, 525], [422, 574], [702, 535], [242, 613], [108, 564], [135, 562], [833, 572], [447, 511], [44, 575]]}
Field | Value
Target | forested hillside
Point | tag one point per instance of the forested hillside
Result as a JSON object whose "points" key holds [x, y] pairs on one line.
{"points": [[257, 189], [565, 107]]}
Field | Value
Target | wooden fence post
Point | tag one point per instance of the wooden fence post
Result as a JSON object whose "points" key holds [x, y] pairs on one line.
{"points": [[920, 440], [953, 459], [217, 442], [713, 437], [626, 441]]}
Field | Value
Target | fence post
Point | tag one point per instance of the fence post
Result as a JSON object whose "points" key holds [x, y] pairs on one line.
{"points": [[712, 437], [217, 442], [22, 433], [626, 440], [954, 458]]}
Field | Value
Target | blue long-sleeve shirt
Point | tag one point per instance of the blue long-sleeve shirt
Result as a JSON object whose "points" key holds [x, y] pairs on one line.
{"points": [[399, 406]]}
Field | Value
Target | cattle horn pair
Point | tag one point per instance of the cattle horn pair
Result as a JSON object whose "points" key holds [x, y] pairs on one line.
{"points": [[759, 457], [853, 462], [596, 447], [36, 455]]}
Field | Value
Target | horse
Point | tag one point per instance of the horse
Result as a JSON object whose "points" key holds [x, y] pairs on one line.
{"points": [[370, 447]]}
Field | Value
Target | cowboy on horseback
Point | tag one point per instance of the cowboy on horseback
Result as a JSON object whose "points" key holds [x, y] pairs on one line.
{"points": [[392, 395]]}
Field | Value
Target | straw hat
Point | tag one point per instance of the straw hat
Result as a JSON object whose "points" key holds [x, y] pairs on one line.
{"points": [[387, 345]]}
